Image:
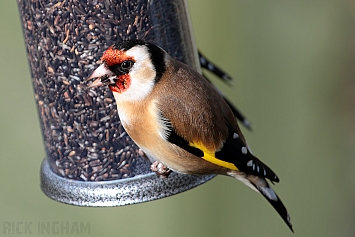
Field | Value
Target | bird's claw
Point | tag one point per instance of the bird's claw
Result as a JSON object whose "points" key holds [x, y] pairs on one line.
{"points": [[161, 170]]}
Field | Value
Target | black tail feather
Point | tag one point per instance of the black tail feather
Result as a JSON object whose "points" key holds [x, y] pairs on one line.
{"points": [[276, 203]]}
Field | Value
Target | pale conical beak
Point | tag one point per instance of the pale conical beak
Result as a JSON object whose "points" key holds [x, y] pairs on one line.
{"points": [[98, 73], [96, 83]]}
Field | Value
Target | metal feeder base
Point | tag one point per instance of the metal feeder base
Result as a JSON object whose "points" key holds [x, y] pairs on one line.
{"points": [[141, 188]]}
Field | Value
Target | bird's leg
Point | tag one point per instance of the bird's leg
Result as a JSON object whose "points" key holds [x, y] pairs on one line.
{"points": [[161, 170]]}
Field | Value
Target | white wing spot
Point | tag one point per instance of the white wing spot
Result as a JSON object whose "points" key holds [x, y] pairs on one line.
{"points": [[226, 77], [250, 163], [203, 60], [267, 191], [235, 135], [244, 150]]}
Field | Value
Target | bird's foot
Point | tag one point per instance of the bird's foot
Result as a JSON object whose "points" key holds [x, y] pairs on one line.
{"points": [[161, 170]]}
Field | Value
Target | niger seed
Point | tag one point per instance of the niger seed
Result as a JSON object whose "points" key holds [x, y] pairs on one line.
{"points": [[84, 139]]}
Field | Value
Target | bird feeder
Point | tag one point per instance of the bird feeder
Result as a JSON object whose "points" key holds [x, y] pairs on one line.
{"points": [[91, 161]]}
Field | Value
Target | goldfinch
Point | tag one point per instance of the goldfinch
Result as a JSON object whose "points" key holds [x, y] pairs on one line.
{"points": [[178, 119]]}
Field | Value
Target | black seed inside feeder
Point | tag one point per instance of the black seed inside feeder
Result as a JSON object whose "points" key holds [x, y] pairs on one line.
{"points": [[91, 161]]}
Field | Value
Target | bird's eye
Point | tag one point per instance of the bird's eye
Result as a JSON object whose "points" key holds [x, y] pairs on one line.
{"points": [[126, 65], [122, 68]]}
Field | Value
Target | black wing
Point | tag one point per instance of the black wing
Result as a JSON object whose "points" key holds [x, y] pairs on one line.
{"points": [[235, 151]]}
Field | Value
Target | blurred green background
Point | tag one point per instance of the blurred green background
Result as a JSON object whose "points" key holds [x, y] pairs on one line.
{"points": [[293, 64]]}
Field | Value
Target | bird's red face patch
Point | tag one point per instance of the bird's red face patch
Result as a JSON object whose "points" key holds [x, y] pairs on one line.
{"points": [[113, 57], [122, 84]]}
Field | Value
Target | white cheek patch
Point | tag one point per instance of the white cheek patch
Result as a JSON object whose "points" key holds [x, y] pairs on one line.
{"points": [[138, 52], [142, 75], [138, 89], [143, 69]]}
